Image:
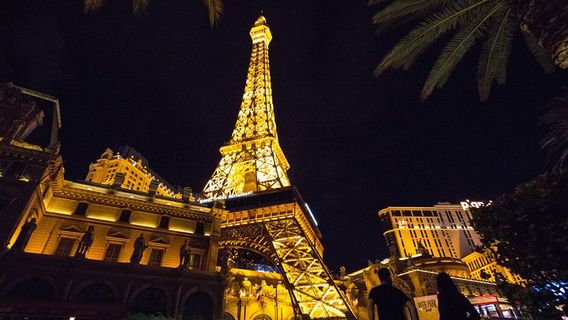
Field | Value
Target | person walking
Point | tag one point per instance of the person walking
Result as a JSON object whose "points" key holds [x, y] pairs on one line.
{"points": [[389, 300], [452, 305]]}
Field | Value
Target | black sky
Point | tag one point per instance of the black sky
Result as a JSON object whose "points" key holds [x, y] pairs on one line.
{"points": [[170, 86]]}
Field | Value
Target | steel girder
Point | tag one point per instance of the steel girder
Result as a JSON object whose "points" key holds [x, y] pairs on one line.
{"points": [[312, 290]]}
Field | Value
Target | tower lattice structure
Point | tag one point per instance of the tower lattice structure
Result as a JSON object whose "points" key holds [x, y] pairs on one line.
{"points": [[274, 221], [252, 160]]}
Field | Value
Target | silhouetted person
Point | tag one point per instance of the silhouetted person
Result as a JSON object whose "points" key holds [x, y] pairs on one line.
{"points": [[85, 243], [452, 305], [389, 300]]}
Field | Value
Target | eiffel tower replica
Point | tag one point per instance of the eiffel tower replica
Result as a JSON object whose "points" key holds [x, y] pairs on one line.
{"points": [[266, 215]]}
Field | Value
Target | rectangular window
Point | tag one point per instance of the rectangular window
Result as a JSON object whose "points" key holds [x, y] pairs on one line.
{"points": [[156, 256], [64, 247], [81, 209], [195, 262], [113, 250], [125, 215]]}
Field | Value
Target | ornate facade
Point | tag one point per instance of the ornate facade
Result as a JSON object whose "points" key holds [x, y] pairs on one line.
{"points": [[102, 251], [129, 169]]}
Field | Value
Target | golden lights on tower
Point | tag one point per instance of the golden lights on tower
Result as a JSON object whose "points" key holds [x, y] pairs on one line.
{"points": [[252, 160]]}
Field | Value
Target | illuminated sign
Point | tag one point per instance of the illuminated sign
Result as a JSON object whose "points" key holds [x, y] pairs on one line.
{"points": [[474, 204], [231, 196]]}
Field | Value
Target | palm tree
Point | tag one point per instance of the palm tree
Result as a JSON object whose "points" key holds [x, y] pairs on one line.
{"points": [[556, 140], [492, 22], [139, 7]]}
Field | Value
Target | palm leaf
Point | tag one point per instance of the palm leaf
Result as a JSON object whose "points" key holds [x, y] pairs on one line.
{"points": [[404, 9], [454, 51], [92, 6], [215, 9], [538, 52], [495, 54], [556, 140], [421, 38], [139, 7]]}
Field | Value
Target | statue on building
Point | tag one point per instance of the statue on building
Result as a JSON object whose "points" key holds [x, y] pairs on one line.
{"points": [[247, 286], [342, 272], [85, 243], [139, 247], [25, 235], [184, 255]]}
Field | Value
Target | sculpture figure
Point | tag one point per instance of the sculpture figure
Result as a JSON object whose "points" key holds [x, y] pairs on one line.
{"points": [[247, 286], [85, 243], [184, 255], [25, 235], [342, 272], [139, 247]]}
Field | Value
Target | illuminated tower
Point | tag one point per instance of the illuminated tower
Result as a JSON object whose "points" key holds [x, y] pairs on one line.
{"points": [[252, 160], [265, 215]]}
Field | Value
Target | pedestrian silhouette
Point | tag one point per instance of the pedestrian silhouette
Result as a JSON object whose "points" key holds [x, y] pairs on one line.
{"points": [[453, 305], [389, 300]]}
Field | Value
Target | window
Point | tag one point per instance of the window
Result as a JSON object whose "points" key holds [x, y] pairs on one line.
{"points": [[156, 256], [64, 247], [195, 261], [113, 250], [81, 209], [164, 222], [199, 228], [125, 215]]}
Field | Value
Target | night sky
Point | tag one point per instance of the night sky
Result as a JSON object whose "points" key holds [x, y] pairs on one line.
{"points": [[170, 86]]}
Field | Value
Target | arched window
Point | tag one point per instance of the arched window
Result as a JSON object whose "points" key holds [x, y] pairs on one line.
{"points": [[96, 293], [228, 316], [262, 317], [198, 306], [150, 301], [32, 289]]}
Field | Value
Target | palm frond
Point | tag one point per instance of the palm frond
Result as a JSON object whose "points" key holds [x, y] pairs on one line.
{"points": [[495, 53], [215, 9], [452, 54], [406, 10], [139, 7], [421, 38], [92, 6], [555, 141], [538, 52]]}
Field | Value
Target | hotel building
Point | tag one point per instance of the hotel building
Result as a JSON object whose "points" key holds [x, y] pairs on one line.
{"points": [[442, 230]]}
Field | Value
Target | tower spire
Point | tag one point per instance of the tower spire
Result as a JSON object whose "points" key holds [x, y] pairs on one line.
{"points": [[252, 160]]}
